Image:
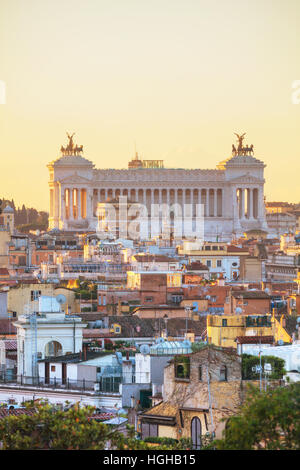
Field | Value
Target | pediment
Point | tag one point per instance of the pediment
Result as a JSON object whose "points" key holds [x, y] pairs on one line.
{"points": [[75, 178], [247, 178]]}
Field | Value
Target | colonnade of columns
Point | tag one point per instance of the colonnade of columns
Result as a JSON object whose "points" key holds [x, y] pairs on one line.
{"points": [[80, 203], [211, 198], [69, 203], [248, 203]]}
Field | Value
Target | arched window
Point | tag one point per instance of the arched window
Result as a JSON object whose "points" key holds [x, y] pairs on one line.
{"points": [[196, 431], [53, 349], [223, 374]]}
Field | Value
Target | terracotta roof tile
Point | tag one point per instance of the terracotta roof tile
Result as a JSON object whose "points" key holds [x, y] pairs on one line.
{"points": [[255, 339]]}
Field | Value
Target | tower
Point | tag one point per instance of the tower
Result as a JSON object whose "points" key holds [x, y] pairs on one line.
{"points": [[9, 218], [70, 189]]}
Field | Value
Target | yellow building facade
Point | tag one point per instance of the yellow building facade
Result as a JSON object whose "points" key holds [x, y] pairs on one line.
{"points": [[223, 330]]}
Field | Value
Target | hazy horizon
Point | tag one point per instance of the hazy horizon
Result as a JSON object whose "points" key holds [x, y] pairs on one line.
{"points": [[172, 79]]}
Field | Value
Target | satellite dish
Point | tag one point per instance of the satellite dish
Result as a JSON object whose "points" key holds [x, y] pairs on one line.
{"points": [[144, 349], [280, 342], [298, 320], [238, 310], [207, 297], [61, 299], [186, 342]]}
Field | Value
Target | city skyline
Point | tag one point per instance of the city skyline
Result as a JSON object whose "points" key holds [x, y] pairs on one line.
{"points": [[172, 81]]}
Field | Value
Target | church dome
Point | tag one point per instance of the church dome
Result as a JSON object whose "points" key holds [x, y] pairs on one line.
{"points": [[8, 210]]}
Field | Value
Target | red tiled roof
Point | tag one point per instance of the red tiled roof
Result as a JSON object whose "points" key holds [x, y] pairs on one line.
{"points": [[103, 416], [10, 344], [5, 412], [7, 327], [4, 272], [235, 249], [255, 339]]}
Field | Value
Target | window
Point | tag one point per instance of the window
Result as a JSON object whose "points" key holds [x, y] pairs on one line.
{"points": [[224, 321], [35, 294], [219, 263], [213, 298], [52, 368], [98, 370], [223, 374], [200, 373], [149, 299], [182, 367], [208, 263]]}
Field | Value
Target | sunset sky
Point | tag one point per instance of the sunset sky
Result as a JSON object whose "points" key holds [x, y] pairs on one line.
{"points": [[175, 78]]}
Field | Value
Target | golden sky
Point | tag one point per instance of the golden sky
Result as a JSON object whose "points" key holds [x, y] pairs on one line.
{"points": [[176, 78]]}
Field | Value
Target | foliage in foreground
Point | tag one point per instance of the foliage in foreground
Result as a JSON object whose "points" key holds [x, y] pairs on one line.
{"points": [[249, 362], [52, 429], [268, 420]]}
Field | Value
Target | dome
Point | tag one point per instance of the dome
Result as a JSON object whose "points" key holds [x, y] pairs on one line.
{"points": [[8, 210]]}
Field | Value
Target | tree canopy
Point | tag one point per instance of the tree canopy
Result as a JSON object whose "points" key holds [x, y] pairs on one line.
{"points": [[47, 428], [267, 420]]}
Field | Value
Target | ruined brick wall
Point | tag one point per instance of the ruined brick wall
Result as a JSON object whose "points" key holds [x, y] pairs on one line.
{"points": [[193, 393]]}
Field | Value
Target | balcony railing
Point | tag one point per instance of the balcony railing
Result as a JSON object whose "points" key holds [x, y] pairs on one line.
{"points": [[105, 384]]}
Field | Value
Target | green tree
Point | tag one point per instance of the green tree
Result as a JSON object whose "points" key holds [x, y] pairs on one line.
{"points": [[50, 429], [249, 362], [267, 420]]}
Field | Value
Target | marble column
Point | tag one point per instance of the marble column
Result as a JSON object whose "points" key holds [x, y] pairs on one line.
{"points": [[215, 202], [160, 196], [207, 202], [250, 211], [79, 203], [242, 203], [222, 203], [236, 209], [71, 203], [56, 201], [62, 208], [152, 196]]}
